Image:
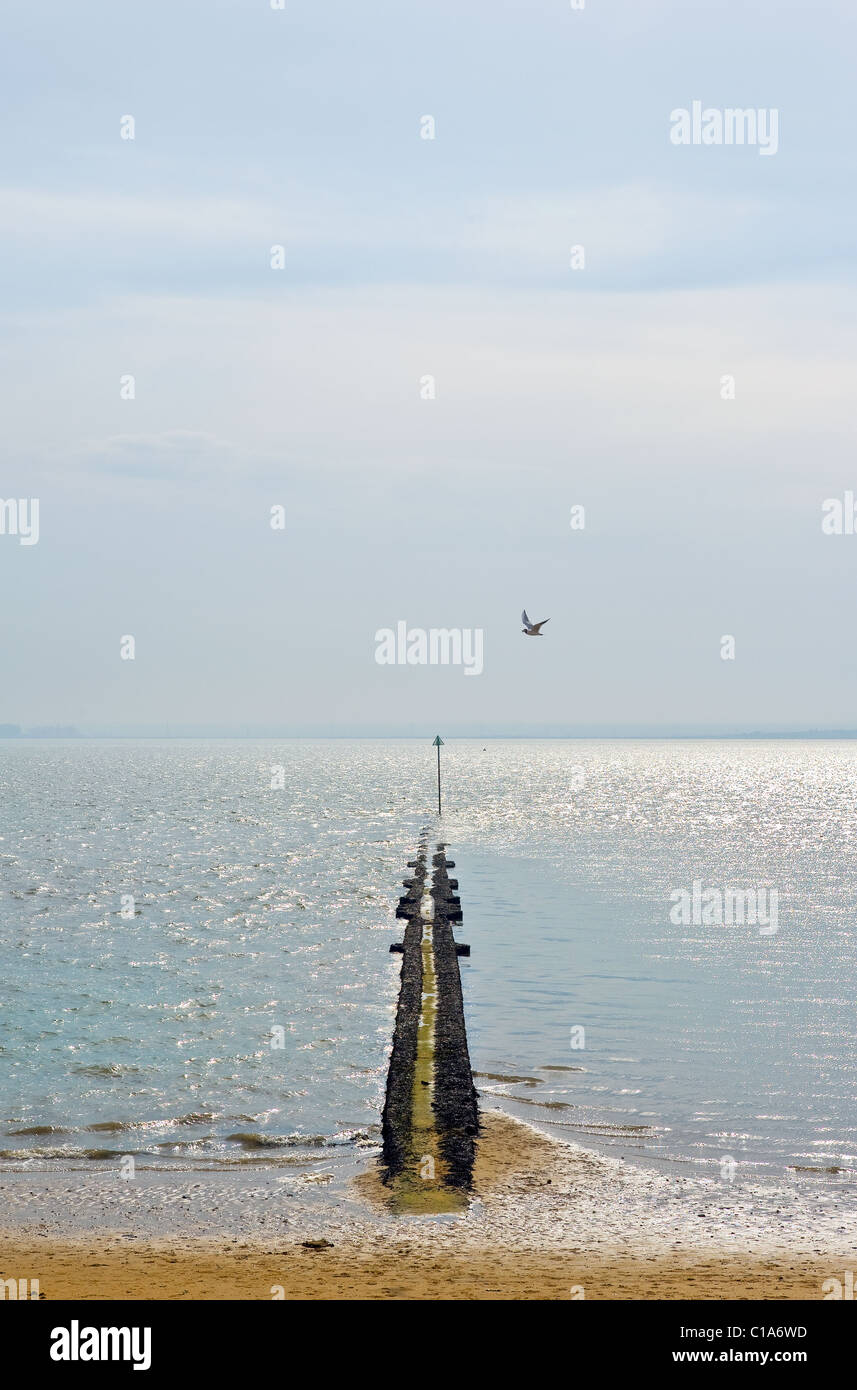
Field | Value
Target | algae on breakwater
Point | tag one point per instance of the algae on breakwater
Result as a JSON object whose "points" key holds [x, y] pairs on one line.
{"points": [[430, 1116]]}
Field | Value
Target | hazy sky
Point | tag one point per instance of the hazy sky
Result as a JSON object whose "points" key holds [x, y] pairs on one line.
{"points": [[406, 257]]}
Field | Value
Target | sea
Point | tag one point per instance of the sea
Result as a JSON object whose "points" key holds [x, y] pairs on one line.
{"points": [[196, 966]]}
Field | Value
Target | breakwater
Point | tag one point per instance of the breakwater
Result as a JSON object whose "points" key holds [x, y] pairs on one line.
{"points": [[430, 1121]]}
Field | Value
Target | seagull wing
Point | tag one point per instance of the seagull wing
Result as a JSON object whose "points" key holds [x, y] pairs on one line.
{"points": [[537, 626], [524, 619]]}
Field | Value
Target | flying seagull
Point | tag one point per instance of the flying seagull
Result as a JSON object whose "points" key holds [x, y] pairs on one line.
{"points": [[532, 629]]}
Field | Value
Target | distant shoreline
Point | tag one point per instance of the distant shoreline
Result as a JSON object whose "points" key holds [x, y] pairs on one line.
{"points": [[650, 736]]}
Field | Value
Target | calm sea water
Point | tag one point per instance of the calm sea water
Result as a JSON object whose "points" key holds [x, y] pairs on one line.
{"points": [[264, 913]]}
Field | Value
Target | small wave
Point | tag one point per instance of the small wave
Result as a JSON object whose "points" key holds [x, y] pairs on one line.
{"points": [[62, 1153], [616, 1129], [203, 1117], [37, 1131], [190, 1144], [113, 1069], [799, 1168], [254, 1140], [539, 1104], [278, 1141], [509, 1080]]}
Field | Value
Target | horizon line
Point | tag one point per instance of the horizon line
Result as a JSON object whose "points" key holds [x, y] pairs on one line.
{"points": [[168, 731]]}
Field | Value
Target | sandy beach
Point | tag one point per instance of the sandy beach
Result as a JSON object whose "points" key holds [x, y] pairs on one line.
{"points": [[548, 1220], [92, 1271]]}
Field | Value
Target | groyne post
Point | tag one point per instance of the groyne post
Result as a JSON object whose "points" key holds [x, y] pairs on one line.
{"points": [[438, 743]]}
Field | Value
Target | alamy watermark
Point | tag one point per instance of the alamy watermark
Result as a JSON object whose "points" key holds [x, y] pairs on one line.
{"points": [[439, 646], [19, 1288], [19, 516], [709, 907], [711, 125], [840, 515], [840, 1289], [76, 1343]]}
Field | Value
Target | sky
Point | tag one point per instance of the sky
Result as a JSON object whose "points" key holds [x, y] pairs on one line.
{"points": [[406, 258]]}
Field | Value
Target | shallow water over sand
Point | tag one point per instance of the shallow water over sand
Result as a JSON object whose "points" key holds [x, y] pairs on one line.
{"points": [[259, 908]]}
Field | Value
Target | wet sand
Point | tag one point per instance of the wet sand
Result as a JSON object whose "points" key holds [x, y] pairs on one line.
{"points": [[91, 1271], [548, 1221]]}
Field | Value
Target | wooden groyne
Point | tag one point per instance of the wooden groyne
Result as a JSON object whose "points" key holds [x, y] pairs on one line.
{"points": [[431, 1119]]}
